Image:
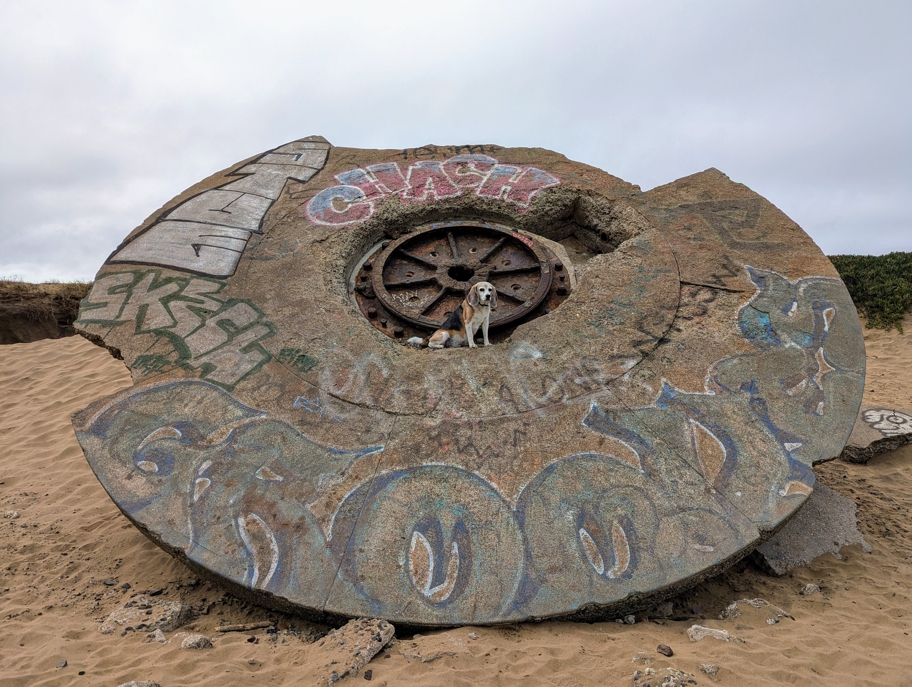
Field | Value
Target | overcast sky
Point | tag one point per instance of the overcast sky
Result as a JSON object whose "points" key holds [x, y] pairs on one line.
{"points": [[109, 109]]}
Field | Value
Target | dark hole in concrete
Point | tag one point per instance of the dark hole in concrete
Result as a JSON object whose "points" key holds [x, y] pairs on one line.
{"points": [[460, 273]]}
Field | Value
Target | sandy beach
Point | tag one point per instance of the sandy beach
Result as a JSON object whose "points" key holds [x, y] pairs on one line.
{"points": [[69, 558]]}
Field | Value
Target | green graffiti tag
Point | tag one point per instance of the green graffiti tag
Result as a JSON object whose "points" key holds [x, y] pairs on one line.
{"points": [[297, 359], [218, 337]]}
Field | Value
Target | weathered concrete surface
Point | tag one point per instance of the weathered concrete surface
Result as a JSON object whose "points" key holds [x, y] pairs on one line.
{"points": [[651, 429], [877, 430], [347, 650], [825, 524], [147, 613]]}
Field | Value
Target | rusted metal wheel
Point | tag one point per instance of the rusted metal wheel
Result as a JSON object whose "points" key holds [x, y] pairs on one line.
{"points": [[423, 276]]}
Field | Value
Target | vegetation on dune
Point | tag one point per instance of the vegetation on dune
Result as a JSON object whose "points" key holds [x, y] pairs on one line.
{"points": [[880, 285]]}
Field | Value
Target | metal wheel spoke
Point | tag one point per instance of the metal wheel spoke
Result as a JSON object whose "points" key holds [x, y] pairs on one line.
{"points": [[453, 245], [410, 282], [435, 300], [506, 294], [493, 249], [418, 259], [515, 270]]}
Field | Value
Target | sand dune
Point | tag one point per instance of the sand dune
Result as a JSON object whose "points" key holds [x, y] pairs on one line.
{"points": [[69, 558]]}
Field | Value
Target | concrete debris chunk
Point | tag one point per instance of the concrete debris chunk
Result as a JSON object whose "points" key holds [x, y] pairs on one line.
{"points": [[155, 636], [144, 612], [413, 655], [825, 524], [672, 678], [698, 632], [732, 610], [346, 650], [877, 430], [196, 641], [678, 678]]}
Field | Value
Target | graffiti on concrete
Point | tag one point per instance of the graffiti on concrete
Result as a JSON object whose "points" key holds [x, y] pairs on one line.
{"points": [[767, 405], [890, 423], [343, 529], [647, 432], [207, 233], [218, 337], [426, 181], [188, 460]]}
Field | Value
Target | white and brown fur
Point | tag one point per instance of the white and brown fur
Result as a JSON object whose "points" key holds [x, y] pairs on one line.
{"points": [[460, 327]]}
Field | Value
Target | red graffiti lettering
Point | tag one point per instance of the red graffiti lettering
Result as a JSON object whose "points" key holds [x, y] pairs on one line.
{"points": [[427, 178], [515, 184], [422, 182]]}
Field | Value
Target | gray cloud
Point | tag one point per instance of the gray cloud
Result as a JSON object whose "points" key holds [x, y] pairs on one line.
{"points": [[110, 109]]}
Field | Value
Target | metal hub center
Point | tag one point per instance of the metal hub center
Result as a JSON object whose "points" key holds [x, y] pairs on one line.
{"points": [[460, 273]]}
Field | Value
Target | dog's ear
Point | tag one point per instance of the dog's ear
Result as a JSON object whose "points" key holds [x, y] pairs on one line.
{"points": [[493, 298], [472, 298]]}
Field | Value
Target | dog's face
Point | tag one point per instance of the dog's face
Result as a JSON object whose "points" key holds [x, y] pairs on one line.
{"points": [[483, 293]]}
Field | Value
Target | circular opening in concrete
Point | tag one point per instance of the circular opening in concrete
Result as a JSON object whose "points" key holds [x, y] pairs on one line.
{"points": [[409, 286]]}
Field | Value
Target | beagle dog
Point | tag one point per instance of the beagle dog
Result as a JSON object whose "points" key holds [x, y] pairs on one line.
{"points": [[462, 324]]}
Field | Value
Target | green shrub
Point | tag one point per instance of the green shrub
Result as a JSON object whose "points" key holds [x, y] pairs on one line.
{"points": [[880, 285]]}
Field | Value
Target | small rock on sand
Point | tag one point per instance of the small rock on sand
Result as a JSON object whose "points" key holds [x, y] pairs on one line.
{"points": [[698, 632], [732, 610], [673, 678], [140, 683], [11, 514], [155, 636], [194, 641], [678, 678], [145, 613], [810, 589], [665, 650], [709, 668]]}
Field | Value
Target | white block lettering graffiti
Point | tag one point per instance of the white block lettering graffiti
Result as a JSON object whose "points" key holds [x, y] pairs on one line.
{"points": [[425, 181], [890, 423], [219, 337], [207, 234]]}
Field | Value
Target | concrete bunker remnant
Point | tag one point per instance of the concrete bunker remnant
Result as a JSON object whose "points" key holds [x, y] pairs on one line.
{"points": [[655, 425]]}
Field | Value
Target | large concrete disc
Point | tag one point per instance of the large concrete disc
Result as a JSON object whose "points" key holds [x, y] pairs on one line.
{"points": [[687, 354]]}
